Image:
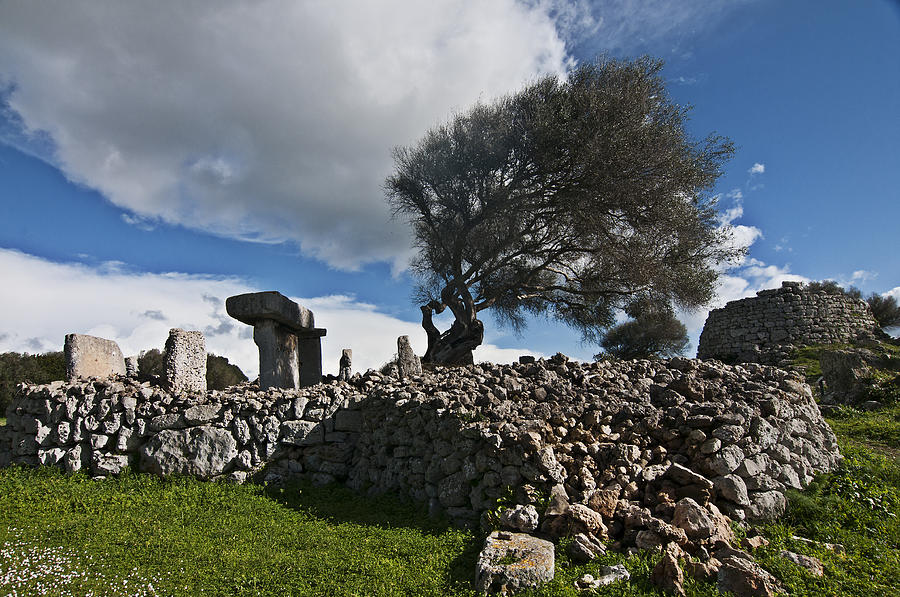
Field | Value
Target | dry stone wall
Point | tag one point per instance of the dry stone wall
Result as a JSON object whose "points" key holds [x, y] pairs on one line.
{"points": [[766, 328], [625, 440]]}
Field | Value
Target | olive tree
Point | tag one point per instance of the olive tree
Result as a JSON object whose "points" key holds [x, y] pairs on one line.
{"points": [[571, 197]]}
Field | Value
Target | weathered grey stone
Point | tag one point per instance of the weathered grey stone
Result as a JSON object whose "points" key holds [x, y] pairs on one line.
{"points": [[202, 413], [523, 519], [810, 564], [302, 433], [108, 464], [608, 576], [255, 307], [345, 364], [203, 452], [766, 505], [408, 363], [744, 578], [511, 562], [89, 356], [696, 520], [185, 362], [132, 367], [732, 488]]}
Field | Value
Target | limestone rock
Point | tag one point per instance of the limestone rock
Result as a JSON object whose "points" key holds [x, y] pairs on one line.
{"points": [[89, 356], [185, 362], [510, 562], [812, 565], [203, 452], [520, 518], [408, 363], [744, 578], [667, 575]]}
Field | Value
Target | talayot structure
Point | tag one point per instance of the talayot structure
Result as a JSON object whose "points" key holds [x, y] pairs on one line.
{"points": [[768, 327]]}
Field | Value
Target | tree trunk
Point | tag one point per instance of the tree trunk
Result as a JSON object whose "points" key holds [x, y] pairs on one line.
{"points": [[455, 346]]}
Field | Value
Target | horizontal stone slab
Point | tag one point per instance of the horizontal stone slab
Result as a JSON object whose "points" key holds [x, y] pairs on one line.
{"points": [[257, 306]]}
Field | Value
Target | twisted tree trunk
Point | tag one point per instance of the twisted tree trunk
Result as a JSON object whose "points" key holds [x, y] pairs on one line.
{"points": [[455, 346]]}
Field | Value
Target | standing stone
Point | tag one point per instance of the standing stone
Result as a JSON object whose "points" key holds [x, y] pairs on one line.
{"points": [[132, 367], [278, 350], [89, 356], [185, 361], [346, 362], [290, 346], [407, 362]]}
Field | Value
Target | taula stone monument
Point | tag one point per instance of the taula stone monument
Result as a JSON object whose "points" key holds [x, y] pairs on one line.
{"points": [[290, 346]]}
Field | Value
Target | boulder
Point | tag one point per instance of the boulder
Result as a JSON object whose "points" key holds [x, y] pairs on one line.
{"points": [[745, 578], [203, 452], [511, 562]]}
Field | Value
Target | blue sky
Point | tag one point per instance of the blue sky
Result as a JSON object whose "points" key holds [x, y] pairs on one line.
{"points": [[157, 157]]}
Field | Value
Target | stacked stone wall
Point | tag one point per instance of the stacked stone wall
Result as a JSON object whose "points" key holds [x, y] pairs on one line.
{"points": [[766, 328], [634, 434]]}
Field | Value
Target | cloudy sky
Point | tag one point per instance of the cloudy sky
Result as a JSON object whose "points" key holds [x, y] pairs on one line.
{"points": [[157, 157]]}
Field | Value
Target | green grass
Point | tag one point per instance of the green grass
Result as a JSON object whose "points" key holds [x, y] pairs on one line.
{"points": [[879, 430]]}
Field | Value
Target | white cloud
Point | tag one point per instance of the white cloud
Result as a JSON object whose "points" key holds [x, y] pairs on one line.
{"points": [[261, 120], [757, 168], [137, 310], [862, 275]]}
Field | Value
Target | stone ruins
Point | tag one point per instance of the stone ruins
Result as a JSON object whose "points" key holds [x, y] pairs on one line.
{"points": [[766, 328], [290, 346], [615, 455], [632, 454]]}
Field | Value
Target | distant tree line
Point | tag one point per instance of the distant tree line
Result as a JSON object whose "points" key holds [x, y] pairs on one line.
{"points": [[885, 309], [16, 368], [32, 368]]}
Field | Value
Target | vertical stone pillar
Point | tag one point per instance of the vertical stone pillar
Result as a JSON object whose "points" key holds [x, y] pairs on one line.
{"points": [[310, 360], [278, 356], [408, 363], [185, 361], [346, 364]]}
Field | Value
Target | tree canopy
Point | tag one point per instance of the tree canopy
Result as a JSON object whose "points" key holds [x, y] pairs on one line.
{"points": [[571, 197], [654, 332]]}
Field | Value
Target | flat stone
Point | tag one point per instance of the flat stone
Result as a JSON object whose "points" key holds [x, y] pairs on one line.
{"points": [[253, 307], [511, 562]]}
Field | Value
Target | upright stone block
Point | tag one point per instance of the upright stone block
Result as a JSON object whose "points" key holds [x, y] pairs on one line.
{"points": [[278, 355], [345, 364], [408, 363], [290, 346], [310, 360], [185, 361], [132, 367], [89, 356]]}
